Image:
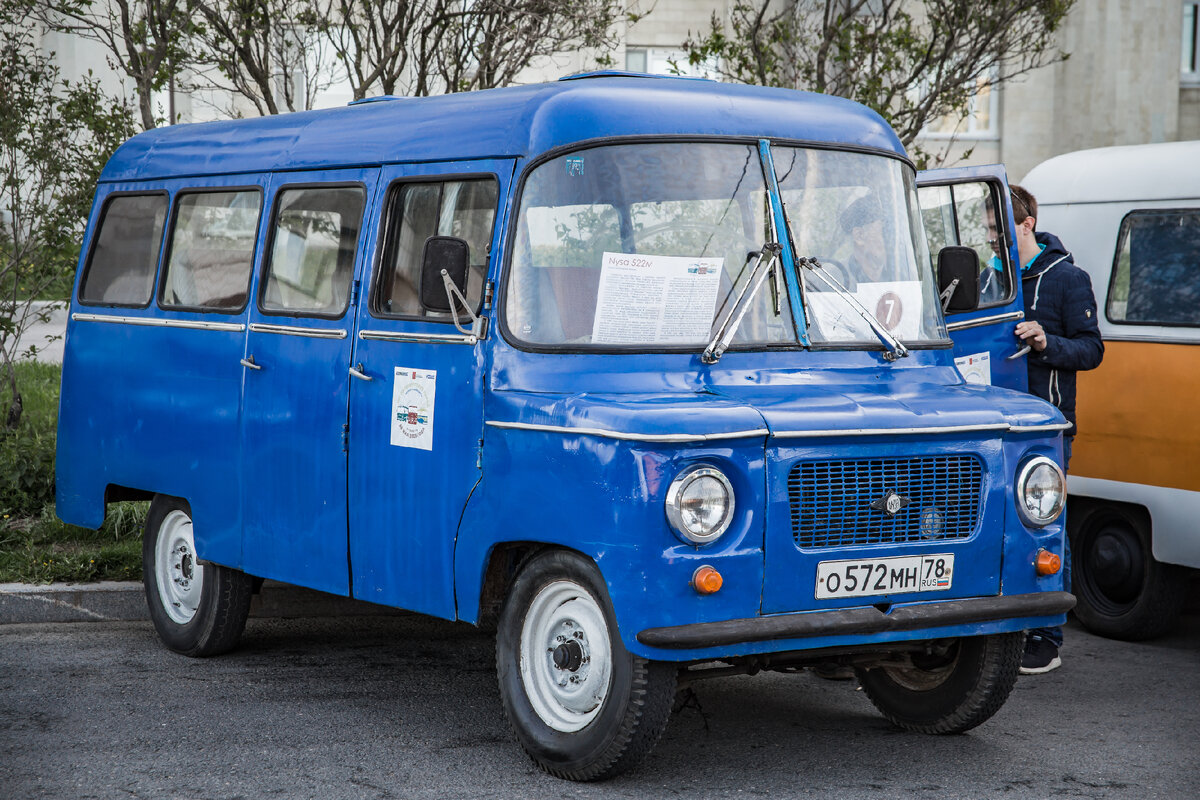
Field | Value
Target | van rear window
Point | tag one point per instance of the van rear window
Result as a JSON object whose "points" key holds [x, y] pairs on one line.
{"points": [[120, 270], [1156, 274], [212, 250]]}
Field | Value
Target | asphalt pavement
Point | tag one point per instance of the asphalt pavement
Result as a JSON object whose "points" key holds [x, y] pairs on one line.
{"points": [[406, 706]]}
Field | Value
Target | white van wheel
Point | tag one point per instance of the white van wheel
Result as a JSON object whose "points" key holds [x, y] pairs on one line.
{"points": [[197, 609], [566, 660], [178, 575], [580, 704]]}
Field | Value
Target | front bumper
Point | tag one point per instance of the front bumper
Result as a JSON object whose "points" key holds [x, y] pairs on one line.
{"points": [[859, 621]]}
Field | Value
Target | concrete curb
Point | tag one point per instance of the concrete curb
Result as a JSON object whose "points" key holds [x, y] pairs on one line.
{"points": [[22, 603]]}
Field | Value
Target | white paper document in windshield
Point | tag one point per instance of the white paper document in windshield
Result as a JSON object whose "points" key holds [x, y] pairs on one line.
{"points": [[656, 299], [896, 304]]}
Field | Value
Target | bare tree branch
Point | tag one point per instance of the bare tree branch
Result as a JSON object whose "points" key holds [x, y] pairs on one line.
{"points": [[913, 61], [146, 40]]}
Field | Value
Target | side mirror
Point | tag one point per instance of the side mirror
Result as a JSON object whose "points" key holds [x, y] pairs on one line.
{"points": [[958, 279], [447, 253]]}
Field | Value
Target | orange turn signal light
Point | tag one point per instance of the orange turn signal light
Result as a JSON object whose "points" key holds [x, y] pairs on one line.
{"points": [[1047, 563], [707, 580]]}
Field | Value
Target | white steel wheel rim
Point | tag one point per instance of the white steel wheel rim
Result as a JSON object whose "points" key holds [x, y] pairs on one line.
{"points": [[566, 656], [180, 576]]}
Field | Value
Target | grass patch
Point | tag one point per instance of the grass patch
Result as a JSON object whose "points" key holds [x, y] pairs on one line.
{"points": [[35, 546]]}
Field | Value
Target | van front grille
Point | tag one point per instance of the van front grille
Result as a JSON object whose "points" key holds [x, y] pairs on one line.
{"points": [[836, 503]]}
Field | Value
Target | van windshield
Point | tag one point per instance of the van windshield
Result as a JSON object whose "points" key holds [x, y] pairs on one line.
{"points": [[644, 246], [857, 215]]}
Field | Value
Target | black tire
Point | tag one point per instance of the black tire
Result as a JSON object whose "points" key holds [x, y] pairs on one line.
{"points": [[198, 610], [563, 591], [959, 686], [1122, 592]]}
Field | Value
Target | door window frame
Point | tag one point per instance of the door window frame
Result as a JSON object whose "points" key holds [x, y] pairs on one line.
{"points": [[165, 257], [268, 250], [389, 227], [1004, 245]]}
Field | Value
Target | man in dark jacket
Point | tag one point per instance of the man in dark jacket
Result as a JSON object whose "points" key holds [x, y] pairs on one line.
{"points": [[1060, 328]]}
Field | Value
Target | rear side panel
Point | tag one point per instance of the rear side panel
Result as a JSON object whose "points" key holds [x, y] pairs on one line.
{"points": [[151, 400]]}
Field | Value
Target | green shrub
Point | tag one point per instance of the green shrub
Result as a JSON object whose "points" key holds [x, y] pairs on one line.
{"points": [[27, 453], [35, 546]]}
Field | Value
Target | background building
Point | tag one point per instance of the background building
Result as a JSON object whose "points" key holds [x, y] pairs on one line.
{"points": [[1133, 77]]}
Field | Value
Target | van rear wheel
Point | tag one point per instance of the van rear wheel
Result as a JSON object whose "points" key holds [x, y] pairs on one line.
{"points": [[957, 685], [580, 704], [197, 609]]}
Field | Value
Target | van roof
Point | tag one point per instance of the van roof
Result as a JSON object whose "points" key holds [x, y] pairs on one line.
{"points": [[1141, 172], [518, 121]]}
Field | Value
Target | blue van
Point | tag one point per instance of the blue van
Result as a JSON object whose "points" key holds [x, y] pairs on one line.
{"points": [[651, 376]]}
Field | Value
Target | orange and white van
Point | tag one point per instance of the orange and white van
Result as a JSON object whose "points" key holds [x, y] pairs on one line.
{"points": [[1131, 217]]}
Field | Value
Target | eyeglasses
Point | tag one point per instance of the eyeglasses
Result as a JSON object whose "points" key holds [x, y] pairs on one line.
{"points": [[1024, 207]]}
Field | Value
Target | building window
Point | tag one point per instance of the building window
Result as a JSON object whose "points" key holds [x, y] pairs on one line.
{"points": [[1190, 62], [663, 61], [982, 119]]}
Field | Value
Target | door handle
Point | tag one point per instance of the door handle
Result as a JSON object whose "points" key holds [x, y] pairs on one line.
{"points": [[1019, 353], [357, 372], [249, 362]]}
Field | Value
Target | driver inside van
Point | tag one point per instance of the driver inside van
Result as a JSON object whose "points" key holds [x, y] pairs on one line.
{"points": [[863, 222]]}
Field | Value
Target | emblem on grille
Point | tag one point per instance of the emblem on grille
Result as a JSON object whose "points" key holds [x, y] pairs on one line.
{"points": [[890, 503]]}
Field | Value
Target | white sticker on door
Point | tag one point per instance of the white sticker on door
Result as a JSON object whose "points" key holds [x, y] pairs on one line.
{"points": [[412, 407], [976, 368]]}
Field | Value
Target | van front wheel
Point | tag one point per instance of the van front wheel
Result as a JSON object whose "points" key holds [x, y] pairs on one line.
{"points": [[953, 687], [197, 609], [580, 704]]}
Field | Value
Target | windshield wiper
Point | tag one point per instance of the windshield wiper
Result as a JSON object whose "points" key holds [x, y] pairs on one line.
{"points": [[719, 343], [895, 349]]}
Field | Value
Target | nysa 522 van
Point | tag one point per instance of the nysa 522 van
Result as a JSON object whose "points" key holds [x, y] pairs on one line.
{"points": [[652, 376]]}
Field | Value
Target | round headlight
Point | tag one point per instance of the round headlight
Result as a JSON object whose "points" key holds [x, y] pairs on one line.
{"points": [[700, 504], [1041, 491]]}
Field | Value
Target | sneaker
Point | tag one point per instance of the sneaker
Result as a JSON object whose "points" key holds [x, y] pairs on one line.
{"points": [[1041, 656]]}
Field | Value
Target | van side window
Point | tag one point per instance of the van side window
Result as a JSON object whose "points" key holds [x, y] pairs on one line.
{"points": [[416, 211], [120, 270], [961, 214], [314, 238], [212, 250], [1156, 275]]}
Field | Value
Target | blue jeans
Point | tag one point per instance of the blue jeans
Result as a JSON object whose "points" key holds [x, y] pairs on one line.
{"points": [[1055, 635]]}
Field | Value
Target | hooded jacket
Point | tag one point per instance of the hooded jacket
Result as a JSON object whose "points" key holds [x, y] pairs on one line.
{"points": [[1059, 295]]}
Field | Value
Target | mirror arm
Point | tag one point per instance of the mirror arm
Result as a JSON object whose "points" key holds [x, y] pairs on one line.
{"points": [[478, 329], [947, 293]]}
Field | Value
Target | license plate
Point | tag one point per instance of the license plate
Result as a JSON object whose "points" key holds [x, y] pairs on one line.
{"points": [[871, 576]]}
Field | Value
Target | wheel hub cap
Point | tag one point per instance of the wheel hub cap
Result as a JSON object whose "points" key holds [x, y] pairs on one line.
{"points": [[1116, 565]]}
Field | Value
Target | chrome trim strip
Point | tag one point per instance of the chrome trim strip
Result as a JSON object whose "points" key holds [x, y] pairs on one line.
{"points": [[420, 338], [636, 437], [1012, 316], [1117, 337], [291, 330], [155, 322], [1000, 426], [1057, 426]]}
